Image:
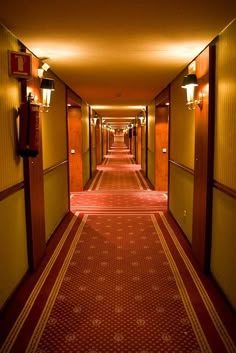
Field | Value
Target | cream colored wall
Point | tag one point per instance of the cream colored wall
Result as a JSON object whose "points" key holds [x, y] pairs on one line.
{"points": [[151, 142], [11, 171], [13, 244], [223, 264], [85, 144], [181, 198], [182, 152], [225, 125], [54, 135], [182, 128], [54, 129], [223, 250], [55, 197]]}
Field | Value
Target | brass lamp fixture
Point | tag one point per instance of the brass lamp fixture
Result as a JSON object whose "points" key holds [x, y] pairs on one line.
{"points": [[142, 118], [47, 85], [43, 68], [189, 83], [94, 120]]}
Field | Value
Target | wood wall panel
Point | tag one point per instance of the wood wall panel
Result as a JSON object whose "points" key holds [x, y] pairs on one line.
{"points": [[85, 143], [34, 192], [98, 142], [93, 148], [139, 145], [105, 141], [75, 149], [161, 163], [144, 149], [204, 119], [151, 142]]}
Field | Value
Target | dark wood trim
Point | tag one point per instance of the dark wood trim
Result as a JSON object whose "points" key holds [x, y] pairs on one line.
{"points": [[90, 142], [181, 166], [211, 135], [11, 190], [67, 145], [225, 189], [169, 150], [34, 192], [55, 166], [146, 142], [204, 157]]}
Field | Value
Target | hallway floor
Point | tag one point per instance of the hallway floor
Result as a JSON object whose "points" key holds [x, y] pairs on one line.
{"points": [[119, 277]]}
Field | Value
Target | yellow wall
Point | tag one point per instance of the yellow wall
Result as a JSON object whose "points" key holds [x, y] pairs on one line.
{"points": [[223, 264], [54, 130], [225, 124], [54, 134], [13, 243], [151, 142], [181, 198], [182, 127], [11, 171], [223, 251], [182, 152], [85, 141], [55, 197]]}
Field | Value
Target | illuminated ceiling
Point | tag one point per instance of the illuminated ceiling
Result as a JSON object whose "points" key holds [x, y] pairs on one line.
{"points": [[117, 55]]}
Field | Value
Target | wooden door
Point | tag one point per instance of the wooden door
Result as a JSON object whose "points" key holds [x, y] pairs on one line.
{"points": [[203, 165], [161, 148]]}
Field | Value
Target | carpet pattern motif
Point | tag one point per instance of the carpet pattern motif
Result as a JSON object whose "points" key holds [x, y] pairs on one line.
{"points": [[110, 298], [118, 172], [121, 279]]}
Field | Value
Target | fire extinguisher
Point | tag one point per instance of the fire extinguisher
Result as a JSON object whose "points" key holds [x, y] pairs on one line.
{"points": [[29, 129]]}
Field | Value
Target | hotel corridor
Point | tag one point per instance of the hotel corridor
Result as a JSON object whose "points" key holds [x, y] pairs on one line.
{"points": [[118, 277]]}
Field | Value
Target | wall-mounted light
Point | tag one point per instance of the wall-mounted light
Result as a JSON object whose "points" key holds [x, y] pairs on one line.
{"points": [[47, 85], [142, 118], [189, 83], [94, 120], [43, 68]]}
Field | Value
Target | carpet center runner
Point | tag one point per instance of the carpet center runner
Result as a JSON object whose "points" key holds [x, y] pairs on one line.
{"points": [[121, 279]]}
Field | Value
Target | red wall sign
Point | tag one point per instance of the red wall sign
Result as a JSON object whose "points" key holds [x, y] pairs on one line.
{"points": [[19, 64]]}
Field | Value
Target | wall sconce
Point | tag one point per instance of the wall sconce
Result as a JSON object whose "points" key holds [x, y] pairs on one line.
{"points": [[43, 68], [94, 120], [189, 83], [47, 85], [142, 118]]}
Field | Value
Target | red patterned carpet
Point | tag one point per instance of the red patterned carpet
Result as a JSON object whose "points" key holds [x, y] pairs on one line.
{"points": [[121, 280]]}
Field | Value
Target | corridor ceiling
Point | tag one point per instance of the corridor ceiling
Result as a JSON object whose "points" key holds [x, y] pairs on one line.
{"points": [[117, 55]]}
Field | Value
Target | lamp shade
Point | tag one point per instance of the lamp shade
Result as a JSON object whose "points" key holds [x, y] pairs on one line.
{"points": [[190, 79], [47, 83]]}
